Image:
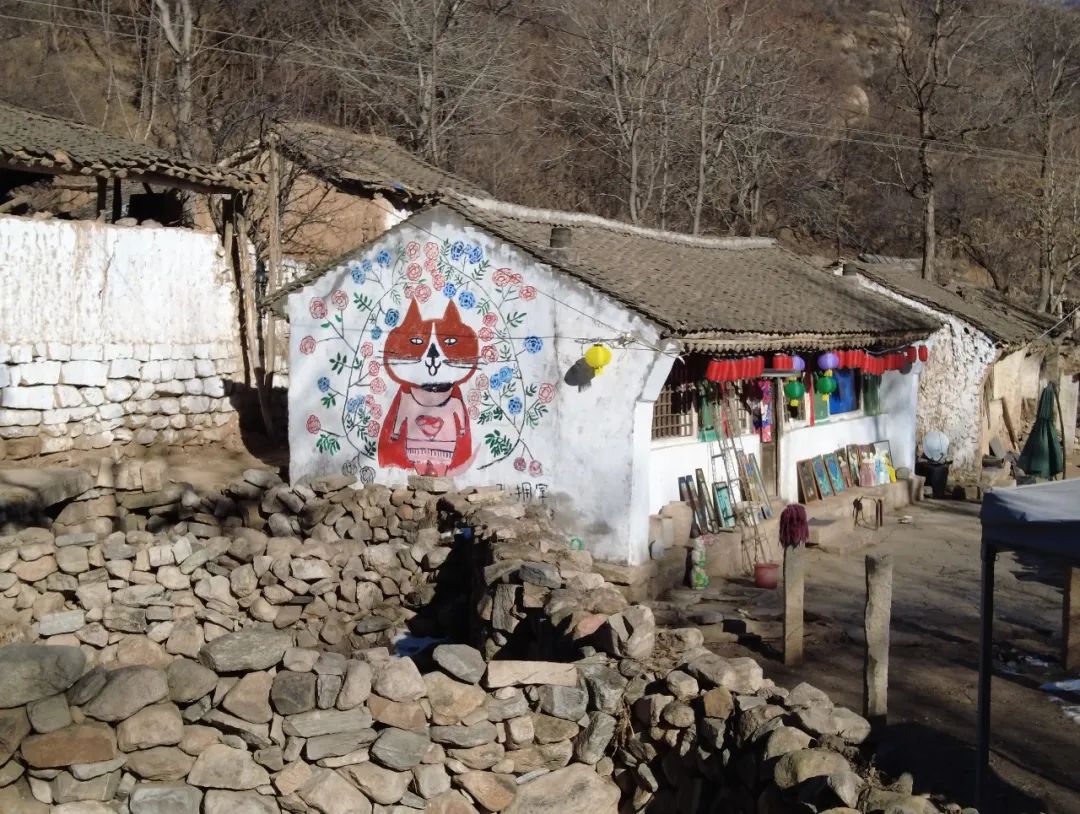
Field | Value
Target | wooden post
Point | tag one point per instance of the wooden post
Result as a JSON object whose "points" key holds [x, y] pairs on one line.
{"points": [[274, 277], [1070, 646], [117, 200], [879, 574], [102, 197], [794, 582]]}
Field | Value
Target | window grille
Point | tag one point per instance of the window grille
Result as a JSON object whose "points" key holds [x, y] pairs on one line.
{"points": [[667, 423]]}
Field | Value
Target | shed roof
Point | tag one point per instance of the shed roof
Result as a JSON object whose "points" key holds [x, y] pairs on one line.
{"points": [[1005, 322], [362, 161], [36, 142], [716, 294]]}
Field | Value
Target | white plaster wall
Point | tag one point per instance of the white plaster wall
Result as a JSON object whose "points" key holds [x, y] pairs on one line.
{"points": [[951, 383], [671, 459], [586, 452], [81, 281]]}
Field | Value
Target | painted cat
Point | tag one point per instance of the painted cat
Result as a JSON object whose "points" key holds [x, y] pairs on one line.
{"points": [[427, 426]]}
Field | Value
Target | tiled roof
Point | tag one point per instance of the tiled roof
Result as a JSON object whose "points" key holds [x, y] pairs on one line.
{"points": [[349, 159], [715, 292], [36, 142], [1005, 322], [722, 294]]}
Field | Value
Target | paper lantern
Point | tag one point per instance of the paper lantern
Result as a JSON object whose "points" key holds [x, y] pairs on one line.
{"points": [[597, 357], [712, 370], [826, 385], [912, 353], [794, 390], [798, 363], [924, 353], [827, 362], [781, 361]]}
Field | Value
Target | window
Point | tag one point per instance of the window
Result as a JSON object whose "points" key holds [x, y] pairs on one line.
{"points": [[846, 397], [668, 422], [871, 396], [856, 394]]}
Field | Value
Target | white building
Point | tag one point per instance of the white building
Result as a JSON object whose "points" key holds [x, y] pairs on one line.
{"points": [[454, 344]]}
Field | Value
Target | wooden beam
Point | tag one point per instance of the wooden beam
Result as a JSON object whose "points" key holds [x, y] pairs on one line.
{"points": [[133, 174], [117, 200]]}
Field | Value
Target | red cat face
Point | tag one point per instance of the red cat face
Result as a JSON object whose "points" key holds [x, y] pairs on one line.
{"points": [[434, 354]]}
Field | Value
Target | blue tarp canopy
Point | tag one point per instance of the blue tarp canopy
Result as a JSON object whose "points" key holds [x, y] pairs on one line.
{"points": [[1043, 518]]}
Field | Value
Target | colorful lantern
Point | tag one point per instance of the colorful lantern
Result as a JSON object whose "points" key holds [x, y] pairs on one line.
{"points": [[924, 353], [798, 363], [828, 362], [912, 353], [597, 357], [712, 370], [826, 385], [794, 390]]}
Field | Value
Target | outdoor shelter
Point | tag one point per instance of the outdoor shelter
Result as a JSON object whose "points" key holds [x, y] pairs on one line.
{"points": [[1042, 520]]}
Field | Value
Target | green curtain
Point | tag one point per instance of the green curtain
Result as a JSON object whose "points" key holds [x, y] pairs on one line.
{"points": [[1042, 454]]}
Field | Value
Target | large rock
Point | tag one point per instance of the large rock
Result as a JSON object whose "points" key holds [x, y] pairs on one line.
{"points": [[461, 661], [155, 725], [493, 791], [796, 767], [576, 789], [29, 672], [400, 750], [630, 634], [79, 743], [465, 736], [222, 767], [238, 802], [563, 702], [189, 681], [293, 693], [126, 691], [383, 786], [159, 763], [18, 799], [327, 722], [518, 673], [329, 793], [452, 701], [592, 742], [357, 686], [249, 698], [250, 649], [450, 802], [165, 798], [399, 680], [14, 726]]}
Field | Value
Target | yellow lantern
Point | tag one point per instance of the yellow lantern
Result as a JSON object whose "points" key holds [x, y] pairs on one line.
{"points": [[597, 357]]}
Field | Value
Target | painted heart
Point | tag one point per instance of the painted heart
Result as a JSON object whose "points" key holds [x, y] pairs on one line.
{"points": [[429, 425]]}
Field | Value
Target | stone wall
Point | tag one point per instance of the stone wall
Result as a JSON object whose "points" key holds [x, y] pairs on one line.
{"points": [[249, 656], [160, 306]]}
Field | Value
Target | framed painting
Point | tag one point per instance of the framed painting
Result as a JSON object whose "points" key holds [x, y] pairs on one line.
{"points": [[821, 477], [883, 450], [709, 512], [845, 469], [854, 462], [836, 477], [687, 497], [807, 484], [725, 509], [757, 486]]}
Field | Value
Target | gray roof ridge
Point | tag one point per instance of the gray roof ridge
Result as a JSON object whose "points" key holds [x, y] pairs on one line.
{"points": [[557, 217]]}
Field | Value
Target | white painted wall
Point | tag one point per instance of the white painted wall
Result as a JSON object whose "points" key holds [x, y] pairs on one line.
{"points": [[589, 450], [950, 395], [79, 281], [670, 459]]}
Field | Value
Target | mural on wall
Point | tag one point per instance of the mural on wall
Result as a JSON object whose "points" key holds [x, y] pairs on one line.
{"points": [[427, 357]]}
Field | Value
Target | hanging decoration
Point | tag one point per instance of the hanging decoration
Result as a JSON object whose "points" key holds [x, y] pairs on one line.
{"points": [[924, 353], [828, 362], [794, 390], [598, 357], [730, 370], [798, 363], [826, 384]]}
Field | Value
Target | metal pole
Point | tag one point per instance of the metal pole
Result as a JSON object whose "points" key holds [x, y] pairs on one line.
{"points": [[986, 667]]}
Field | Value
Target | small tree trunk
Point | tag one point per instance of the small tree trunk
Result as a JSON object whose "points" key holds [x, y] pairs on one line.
{"points": [[929, 236]]}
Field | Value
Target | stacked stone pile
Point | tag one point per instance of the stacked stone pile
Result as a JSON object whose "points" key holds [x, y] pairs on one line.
{"points": [[56, 397]]}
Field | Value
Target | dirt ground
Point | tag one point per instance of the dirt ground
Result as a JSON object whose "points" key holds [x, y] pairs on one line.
{"points": [[933, 670]]}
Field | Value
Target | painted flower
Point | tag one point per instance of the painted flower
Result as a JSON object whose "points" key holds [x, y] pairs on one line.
{"points": [[486, 334], [376, 332], [457, 249], [514, 406], [375, 409], [482, 381], [449, 290], [437, 281], [324, 384], [340, 299], [527, 293], [474, 412], [515, 279], [476, 254], [496, 382], [367, 349], [373, 427], [313, 424], [546, 393], [317, 308], [519, 464], [501, 278], [431, 250], [373, 368], [466, 299], [356, 271], [533, 344], [365, 266], [489, 354], [506, 374], [535, 469], [490, 318], [422, 293], [370, 401], [412, 251], [391, 317], [378, 386], [473, 397], [353, 404], [414, 271], [409, 292], [307, 345], [431, 265], [383, 258]]}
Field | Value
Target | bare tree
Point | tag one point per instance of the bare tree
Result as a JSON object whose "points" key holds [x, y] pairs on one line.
{"points": [[934, 81], [178, 27]]}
